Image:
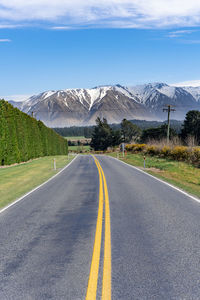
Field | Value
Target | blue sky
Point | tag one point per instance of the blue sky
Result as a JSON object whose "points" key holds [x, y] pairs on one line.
{"points": [[44, 47]]}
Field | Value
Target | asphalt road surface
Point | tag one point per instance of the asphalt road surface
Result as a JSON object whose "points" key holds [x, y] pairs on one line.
{"points": [[141, 240]]}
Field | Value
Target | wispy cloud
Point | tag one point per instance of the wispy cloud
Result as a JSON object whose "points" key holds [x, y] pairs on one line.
{"points": [[190, 42], [103, 13], [180, 33], [62, 28], [5, 40], [9, 26]]}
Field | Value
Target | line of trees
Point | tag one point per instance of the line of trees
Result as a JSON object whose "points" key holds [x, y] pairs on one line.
{"points": [[23, 137], [190, 130], [75, 131], [87, 131], [105, 136]]}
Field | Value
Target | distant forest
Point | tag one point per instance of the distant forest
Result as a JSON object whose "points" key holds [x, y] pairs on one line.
{"points": [[142, 124], [23, 137]]}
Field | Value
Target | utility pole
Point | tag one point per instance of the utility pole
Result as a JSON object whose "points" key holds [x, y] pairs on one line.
{"points": [[168, 109], [123, 143]]}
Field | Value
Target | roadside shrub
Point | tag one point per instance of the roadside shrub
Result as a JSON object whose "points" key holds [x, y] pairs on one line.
{"points": [[140, 147], [165, 151], [129, 147], [152, 150], [135, 147], [195, 156], [180, 153]]}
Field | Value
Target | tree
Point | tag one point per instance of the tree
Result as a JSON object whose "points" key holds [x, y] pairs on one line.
{"points": [[191, 126], [116, 137], [157, 134], [129, 130], [102, 135]]}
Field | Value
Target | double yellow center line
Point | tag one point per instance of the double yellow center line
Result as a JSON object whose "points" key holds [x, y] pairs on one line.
{"points": [[94, 269]]}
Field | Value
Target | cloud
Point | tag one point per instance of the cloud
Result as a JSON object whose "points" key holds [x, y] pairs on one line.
{"points": [[180, 33], [9, 26], [103, 13], [194, 83], [16, 98], [62, 28], [5, 40], [190, 42]]}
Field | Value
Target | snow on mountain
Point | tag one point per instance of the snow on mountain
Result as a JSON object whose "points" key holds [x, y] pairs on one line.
{"points": [[146, 91], [192, 87], [82, 106], [86, 97], [194, 91], [48, 94], [73, 107]]}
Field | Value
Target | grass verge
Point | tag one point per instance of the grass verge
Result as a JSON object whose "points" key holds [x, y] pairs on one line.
{"points": [[180, 174], [15, 181]]}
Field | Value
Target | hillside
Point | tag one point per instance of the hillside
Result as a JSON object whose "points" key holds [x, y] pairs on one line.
{"points": [[23, 137]]}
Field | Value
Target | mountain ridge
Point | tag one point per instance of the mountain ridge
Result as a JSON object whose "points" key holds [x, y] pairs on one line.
{"points": [[76, 107]]}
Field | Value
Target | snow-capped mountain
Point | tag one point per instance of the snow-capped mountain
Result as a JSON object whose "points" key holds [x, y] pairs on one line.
{"points": [[82, 106], [194, 91], [156, 95]]}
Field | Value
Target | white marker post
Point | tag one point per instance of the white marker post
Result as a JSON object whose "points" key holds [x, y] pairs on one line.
{"points": [[54, 163], [144, 161]]}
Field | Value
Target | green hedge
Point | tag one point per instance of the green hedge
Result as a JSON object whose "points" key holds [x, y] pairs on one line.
{"points": [[23, 137]]}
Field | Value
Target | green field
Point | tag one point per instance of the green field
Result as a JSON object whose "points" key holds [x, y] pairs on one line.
{"points": [[79, 148], [74, 138], [180, 174], [17, 180]]}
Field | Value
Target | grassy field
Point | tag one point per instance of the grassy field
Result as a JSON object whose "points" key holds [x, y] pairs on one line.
{"points": [[74, 138], [17, 180], [79, 148], [180, 174]]}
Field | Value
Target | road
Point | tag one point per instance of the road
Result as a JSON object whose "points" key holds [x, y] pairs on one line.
{"points": [[101, 229]]}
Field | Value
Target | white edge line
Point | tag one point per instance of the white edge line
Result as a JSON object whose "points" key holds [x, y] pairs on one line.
{"points": [[39, 186], [158, 179]]}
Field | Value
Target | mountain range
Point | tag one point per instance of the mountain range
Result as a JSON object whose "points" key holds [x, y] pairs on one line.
{"points": [[76, 107]]}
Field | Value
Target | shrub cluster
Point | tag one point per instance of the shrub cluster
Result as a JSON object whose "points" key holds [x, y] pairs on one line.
{"points": [[179, 153], [23, 137]]}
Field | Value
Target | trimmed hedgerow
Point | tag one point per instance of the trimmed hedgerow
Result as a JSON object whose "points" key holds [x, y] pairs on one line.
{"points": [[23, 137]]}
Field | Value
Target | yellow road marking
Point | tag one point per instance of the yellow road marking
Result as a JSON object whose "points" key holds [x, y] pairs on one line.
{"points": [[94, 269], [106, 286]]}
